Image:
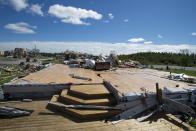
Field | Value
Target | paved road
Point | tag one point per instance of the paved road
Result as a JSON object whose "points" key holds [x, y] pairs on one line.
{"points": [[174, 67]]}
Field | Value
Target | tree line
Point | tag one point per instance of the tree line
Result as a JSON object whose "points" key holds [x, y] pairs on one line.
{"points": [[155, 58]]}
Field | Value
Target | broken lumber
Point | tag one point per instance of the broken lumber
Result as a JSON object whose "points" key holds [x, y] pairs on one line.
{"points": [[80, 77], [130, 113]]}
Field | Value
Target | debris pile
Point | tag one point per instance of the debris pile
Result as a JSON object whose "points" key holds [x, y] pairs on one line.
{"points": [[181, 77], [164, 101], [101, 62], [91, 62], [131, 64], [102, 65]]}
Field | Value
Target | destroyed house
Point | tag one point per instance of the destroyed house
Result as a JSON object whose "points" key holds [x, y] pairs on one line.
{"points": [[8, 53], [1, 52], [20, 52], [92, 105], [70, 55]]}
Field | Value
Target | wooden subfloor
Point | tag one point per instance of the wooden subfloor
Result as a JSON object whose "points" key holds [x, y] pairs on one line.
{"points": [[60, 73], [43, 119]]}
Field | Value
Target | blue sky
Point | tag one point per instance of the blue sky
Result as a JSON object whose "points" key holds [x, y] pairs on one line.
{"points": [[153, 22]]}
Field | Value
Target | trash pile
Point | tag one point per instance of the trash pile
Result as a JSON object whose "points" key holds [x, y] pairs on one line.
{"points": [[101, 62], [96, 63], [40, 67], [131, 64]]}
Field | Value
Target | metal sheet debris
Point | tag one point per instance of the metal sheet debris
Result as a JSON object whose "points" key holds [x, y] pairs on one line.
{"points": [[10, 112]]}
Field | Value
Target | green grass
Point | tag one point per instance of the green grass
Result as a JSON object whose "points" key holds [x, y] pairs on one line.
{"points": [[190, 73], [9, 77]]}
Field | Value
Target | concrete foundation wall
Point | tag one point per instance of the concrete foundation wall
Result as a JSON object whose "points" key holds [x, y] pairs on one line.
{"points": [[32, 91]]}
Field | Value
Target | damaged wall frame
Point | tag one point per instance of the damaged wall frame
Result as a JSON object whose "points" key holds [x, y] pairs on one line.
{"points": [[32, 90], [158, 101], [113, 90], [36, 90]]}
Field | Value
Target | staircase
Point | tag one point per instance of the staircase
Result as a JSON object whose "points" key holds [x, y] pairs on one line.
{"points": [[96, 95]]}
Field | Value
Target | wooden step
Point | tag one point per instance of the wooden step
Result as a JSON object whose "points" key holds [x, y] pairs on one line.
{"points": [[69, 99], [90, 91], [83, 113]]}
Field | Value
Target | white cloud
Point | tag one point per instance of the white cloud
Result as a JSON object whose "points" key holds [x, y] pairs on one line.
{"points": [[73, 15], [111, 16], [21, 28], [159, 36], [193, 34], [126, 20], [148, 42], [97, 48], [136, 40], [36, 9], [18, 5]]}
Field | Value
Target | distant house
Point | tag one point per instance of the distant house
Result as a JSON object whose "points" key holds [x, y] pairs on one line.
{"points": [[20, 52], [70, 55], [1, 52], [8, 53]]}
